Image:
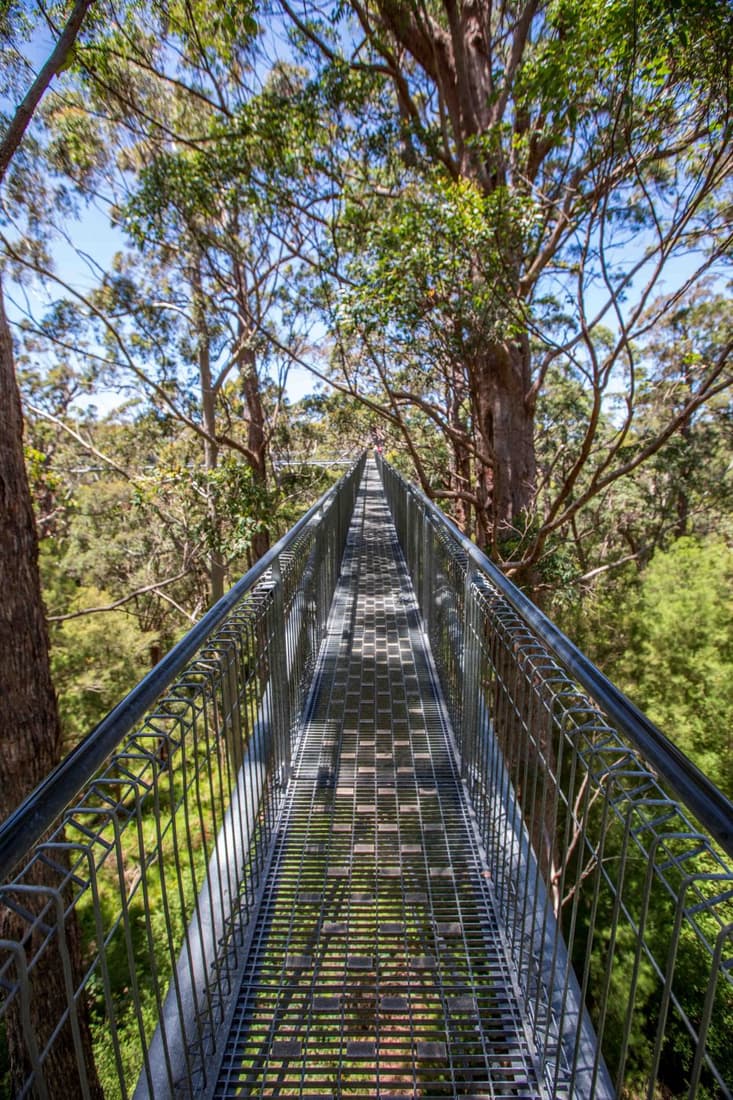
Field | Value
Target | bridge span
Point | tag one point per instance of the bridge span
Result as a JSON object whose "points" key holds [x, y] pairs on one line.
{"points": [[374, 828]]}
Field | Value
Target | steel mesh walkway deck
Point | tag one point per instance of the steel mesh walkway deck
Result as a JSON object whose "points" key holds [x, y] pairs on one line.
{"points": [[376, 967]]}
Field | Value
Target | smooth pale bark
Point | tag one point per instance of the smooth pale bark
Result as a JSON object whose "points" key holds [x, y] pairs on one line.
{"points": [[460, 465], [257, 441]]}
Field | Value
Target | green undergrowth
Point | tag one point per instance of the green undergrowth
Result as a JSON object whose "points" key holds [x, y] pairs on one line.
{"points": [[160, 868]]}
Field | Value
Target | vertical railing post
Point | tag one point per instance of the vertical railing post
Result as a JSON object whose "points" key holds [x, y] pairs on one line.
{"points": [[470, 666], [279, 693], [230, 706], [428, 583], [415, 540], [329, 563], [406, 535], [312, 593], [336, 529]]}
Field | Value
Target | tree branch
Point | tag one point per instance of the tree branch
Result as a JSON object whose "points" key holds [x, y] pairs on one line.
{"points": [[56, 60], [125, 599]]}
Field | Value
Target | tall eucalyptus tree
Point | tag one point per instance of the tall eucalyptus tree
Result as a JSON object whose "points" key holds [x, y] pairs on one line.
{"points": [[30, 730], [179, 119], [526, 180]]}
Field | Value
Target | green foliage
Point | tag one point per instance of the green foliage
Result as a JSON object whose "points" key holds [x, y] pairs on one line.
{"points": [[95, 660], [157, 915], [270, 136], [221, 32], [625, 991], [77, 145], [114, 533], [654, 50], [224, 507], [433, 243], [679, 666], [432, 263], [691, 979], [664, 633]]}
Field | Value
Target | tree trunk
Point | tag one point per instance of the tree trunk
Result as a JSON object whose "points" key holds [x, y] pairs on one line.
{"points": [[453, 45], [459, 469], [256, 439], [217, 568], [30, 745], [504, 425], [685, 472]]}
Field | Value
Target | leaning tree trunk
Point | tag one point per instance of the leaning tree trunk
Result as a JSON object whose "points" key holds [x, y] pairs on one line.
{"points": [[504, 427], [30, 745]]}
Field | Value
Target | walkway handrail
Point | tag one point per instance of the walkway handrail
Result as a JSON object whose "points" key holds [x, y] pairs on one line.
{"points": [[39, 810], [708, 803], [608, 850], [128, 876]]}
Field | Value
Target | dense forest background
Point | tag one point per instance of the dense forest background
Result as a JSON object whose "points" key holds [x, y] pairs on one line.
{"points": [[494, 239]]}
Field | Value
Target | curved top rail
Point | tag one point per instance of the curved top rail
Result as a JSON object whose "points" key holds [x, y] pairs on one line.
{"points": [[709, 805], [35, 815]]}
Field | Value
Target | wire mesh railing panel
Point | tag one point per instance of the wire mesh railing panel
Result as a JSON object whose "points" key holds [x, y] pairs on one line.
{"points": [[124, 915], [616, 894]]}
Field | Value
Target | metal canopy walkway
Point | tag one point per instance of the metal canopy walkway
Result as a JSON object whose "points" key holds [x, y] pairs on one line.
{"points": [[377, 962], [373, 829]]}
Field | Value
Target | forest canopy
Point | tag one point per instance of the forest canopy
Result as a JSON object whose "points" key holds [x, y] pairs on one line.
{"points": [[494, 238]]}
